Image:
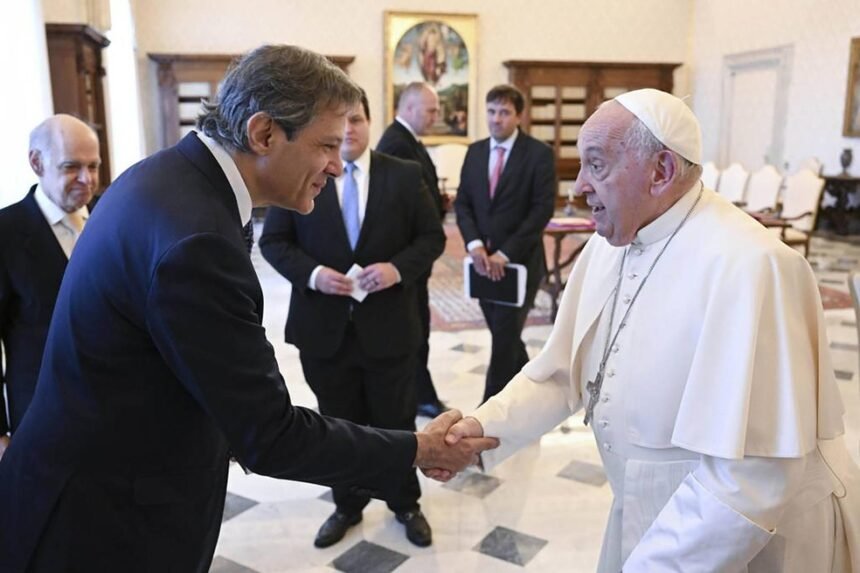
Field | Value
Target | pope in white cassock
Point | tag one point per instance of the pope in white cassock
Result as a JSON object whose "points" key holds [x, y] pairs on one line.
{"points": [[695, 341]]}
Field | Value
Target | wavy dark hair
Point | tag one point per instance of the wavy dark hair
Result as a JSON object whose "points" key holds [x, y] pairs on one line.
{"points": [[290, 84]]}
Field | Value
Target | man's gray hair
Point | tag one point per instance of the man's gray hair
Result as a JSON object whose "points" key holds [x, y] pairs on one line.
{"points": [[290, 84], [644, 145]]}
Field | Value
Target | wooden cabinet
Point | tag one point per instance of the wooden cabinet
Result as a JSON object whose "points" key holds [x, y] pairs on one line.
{"points": [[841, 216], [561, 95], [185, 79], [77, 75]]}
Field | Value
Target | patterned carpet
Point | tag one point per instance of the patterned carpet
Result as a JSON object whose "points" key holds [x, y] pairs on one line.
{"points": [[451, 310]]}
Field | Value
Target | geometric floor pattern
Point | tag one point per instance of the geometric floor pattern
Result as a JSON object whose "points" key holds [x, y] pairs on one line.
{"points": [[544, 509]]}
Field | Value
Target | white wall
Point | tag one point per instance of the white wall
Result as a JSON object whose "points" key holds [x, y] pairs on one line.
{"points": [[820, 33], [612, 30], [27, 99]]}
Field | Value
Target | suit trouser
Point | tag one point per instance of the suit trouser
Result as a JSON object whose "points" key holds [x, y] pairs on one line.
{"points": [[508, 354], [424, 390], [377, 392]]}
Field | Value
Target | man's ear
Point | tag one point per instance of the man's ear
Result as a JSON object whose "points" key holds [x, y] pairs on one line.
{"points": [[664, 172], [261, 131], [36, 163]]}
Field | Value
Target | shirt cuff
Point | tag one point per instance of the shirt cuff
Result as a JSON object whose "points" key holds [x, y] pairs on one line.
{"points": [[397, 272], [474, 244], [504, 256], [312, 281]]}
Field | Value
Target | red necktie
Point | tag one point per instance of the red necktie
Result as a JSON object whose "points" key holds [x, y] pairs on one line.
{"points": [[497, 169]]}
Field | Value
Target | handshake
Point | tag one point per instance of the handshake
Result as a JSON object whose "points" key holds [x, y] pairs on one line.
{"points": [[450, 443]]}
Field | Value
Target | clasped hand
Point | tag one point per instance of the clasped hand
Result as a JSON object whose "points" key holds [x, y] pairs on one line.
{"points": [[449, 444], [373, 278], [487, 265]]}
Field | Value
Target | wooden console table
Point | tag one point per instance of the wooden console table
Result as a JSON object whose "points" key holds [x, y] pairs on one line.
{"points": [[558, 228], [838, 218]]}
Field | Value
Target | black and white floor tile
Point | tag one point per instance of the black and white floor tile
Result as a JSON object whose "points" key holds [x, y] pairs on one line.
{"points": [[542, 510]]}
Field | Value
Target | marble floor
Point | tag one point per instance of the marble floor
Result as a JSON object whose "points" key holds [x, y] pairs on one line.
{"points": [[542, 510]]}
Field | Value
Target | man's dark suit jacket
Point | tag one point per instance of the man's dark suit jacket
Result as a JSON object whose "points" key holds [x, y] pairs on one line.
{"points": [[514, 220], [156, 364], [398, 141], [32, 264], [399, 227]]}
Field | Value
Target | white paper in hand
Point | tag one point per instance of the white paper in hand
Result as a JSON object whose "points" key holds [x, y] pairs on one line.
{"points": [[357, 293]]}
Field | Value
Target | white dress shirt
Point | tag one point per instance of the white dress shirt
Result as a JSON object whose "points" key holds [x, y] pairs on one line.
{"points": [[237, 184], [65, 231]]}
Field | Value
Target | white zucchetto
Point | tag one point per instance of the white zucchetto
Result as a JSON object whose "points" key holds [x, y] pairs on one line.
{"points": [[669, 119]]}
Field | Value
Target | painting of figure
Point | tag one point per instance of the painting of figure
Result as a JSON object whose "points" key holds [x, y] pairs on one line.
{"points": [[437, 49]]}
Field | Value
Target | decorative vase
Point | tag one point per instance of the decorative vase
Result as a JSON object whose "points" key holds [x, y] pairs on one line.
{"points": [[845, 159]]}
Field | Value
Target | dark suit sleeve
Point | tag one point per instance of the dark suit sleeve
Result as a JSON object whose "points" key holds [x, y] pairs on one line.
{"points": [[5, 294], [463, 205], [279, 246], [542, 193], [217, 348], [397, 147], [428, 239]]}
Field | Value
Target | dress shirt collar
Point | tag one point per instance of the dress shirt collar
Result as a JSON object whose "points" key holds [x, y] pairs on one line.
{"points": [[665, 224], [228, 166], [362, 164], [51, 211], [508, 144], [402, 122]]}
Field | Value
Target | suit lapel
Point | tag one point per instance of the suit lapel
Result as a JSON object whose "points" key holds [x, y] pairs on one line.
{"points": [[483, 186], [38, 236], [327, 202], [375, 194], [197, 153]]}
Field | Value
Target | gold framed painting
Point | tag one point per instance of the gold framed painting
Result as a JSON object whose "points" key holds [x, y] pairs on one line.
{"points": [[439, 49], [851, 127]]}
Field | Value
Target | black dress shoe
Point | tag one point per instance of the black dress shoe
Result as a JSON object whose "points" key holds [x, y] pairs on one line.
{"points": [[417, 529], [431, 409], [334, 528]]}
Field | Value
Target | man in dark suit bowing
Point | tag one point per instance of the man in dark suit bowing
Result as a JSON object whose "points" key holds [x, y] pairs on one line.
{"points": [[505, 199], [157, 368], [417, 111], [359, 356], [37, 235]]}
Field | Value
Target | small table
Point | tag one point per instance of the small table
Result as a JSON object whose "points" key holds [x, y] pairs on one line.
{"points": [[558, 228]]}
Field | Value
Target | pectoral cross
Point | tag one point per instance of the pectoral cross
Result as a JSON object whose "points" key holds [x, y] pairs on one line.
{"points": [[593, 389]]}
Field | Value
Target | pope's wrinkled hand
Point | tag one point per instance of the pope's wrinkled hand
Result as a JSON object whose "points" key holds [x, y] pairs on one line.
{"points": [[440, 459]]}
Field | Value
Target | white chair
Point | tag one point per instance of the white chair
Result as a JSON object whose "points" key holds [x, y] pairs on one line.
{"points": [[813, 164], [800, 200], [763, 189], [710, 175], [448, 158], [733, 183]]}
